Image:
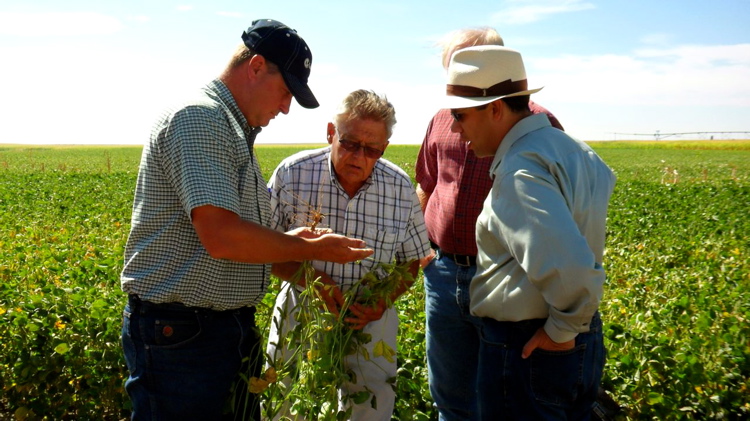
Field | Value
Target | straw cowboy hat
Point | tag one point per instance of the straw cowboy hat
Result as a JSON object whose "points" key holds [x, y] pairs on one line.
{"points": [[480, 75]]}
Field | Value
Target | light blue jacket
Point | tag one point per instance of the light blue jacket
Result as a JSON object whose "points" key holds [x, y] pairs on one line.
{"points": [[541, 231]]}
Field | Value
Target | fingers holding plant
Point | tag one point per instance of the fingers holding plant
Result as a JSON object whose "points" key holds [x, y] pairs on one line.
{"points": [[361, 314], [331, 295], [328, 335]]}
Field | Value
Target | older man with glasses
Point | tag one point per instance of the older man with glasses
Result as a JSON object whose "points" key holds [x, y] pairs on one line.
{"points": [[360, 194]]}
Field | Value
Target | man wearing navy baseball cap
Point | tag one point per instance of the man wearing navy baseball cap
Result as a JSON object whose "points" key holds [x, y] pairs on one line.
{"points": [[282, 46], [199, 254]]}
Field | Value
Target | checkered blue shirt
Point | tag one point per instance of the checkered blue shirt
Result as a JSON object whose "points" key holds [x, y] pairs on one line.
{"points": [[385, 212], [200, 153]]}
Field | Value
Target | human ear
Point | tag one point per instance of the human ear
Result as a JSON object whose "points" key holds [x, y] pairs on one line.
{"points": [[330, 132], [498, 109], [254, 65]]}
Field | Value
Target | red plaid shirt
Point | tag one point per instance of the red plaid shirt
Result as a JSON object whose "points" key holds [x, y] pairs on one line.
{"points": [[457, 182]]}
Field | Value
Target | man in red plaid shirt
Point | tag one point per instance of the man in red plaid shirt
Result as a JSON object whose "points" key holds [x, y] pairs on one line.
{"points": [[452, 186]]}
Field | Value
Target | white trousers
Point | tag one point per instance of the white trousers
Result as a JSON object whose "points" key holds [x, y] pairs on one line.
{"points": [[373, 374]]}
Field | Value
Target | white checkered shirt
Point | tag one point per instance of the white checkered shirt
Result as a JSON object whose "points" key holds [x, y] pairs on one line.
{"points": [[199, 154], [385, 212]]}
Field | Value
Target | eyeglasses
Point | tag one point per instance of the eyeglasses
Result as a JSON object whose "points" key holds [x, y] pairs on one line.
{"points": [[458, 117], [353, 147]]}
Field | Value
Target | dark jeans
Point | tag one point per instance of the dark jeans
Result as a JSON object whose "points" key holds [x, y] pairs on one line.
{"points": [[183, 360], [452, 339], [546, 386]]}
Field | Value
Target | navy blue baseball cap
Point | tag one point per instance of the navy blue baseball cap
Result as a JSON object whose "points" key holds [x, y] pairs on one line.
{"points": [[282, 46]]}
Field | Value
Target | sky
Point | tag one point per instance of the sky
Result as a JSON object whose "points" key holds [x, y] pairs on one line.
{"points": [[100, 72]]}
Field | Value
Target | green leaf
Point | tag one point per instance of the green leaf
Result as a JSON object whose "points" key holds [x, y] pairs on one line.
{"points": [[22, 413], [98, 304], [360, 397], [654, 398], [62, 348]]}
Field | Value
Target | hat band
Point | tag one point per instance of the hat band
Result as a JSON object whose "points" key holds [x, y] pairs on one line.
{"points": [[505, 87]]}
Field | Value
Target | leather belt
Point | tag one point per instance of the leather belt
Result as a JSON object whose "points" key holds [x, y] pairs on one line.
{"points": [[459, 259], [136, 303]]}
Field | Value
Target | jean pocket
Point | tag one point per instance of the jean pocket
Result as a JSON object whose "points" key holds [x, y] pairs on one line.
{"points": [[126, 323], [173, 333], [557, 376], [430, 264]]}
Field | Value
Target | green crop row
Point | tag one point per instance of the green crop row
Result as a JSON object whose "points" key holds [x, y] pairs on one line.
{"points": [[676, 306]]}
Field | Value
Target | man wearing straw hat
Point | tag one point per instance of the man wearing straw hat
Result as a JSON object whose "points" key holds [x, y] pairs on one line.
{"points": [[452, 185], [540, 240]]}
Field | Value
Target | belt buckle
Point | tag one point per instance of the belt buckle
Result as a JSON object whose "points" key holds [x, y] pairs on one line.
{"points": [[466, 260]]}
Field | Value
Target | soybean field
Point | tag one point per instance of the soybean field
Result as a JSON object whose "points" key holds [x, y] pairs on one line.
{"points": [[676, 307]]}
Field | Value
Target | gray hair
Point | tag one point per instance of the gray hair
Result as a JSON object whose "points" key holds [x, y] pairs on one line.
{"points": [[469, 37], [363, 104]]}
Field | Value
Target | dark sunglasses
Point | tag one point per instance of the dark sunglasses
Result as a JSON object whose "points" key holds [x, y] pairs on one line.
{"points": [[353, 147], [460, 116]]}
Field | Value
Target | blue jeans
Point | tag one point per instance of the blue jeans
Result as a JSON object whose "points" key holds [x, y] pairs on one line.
{"points": [[452, 339], [183, 361], [546, 386]]}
